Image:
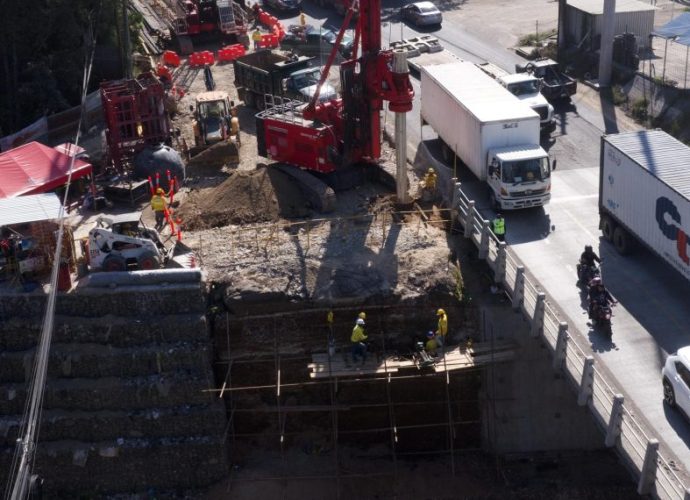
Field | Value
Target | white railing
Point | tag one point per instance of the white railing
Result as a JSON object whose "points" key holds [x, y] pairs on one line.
{"points": [[623, 431]]}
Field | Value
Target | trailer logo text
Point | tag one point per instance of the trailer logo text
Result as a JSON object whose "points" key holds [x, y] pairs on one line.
{"points": [[665, 207]]}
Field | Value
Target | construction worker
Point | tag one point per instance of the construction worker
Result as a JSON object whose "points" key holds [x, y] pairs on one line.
{"points": [[429, 185], [442, 329], [359, 348], [256, 38], [302, 19], [431, 344], [499, 227], [159, 206], [235, 126]]}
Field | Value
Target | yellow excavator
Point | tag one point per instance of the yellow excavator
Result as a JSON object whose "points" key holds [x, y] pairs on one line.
{"points": [[216, 144]]}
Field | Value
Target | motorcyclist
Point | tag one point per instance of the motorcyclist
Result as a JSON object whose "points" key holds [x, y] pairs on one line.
{"points": [[598, 296], [587, 260]]}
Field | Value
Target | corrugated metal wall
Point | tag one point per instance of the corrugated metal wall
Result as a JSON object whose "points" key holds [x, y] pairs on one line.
{"points": [[579, 23]]}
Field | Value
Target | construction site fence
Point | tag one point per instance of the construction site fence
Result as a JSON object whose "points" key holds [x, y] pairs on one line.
{"points": [[623, 430]]}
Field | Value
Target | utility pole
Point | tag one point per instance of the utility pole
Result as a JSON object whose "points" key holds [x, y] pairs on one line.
{"points": [[127, 51], [562, 8], [606, 47]]}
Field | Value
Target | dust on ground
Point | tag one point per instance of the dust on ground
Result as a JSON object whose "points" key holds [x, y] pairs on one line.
{"points": [[246, 197]]}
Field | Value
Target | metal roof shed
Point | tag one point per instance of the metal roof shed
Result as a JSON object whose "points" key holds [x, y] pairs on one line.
{"points": [[30, 208], [584, 19]]}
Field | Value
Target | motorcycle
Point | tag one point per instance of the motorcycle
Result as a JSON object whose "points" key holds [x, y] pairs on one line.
{"points": [[585, 273], [601, 317]]}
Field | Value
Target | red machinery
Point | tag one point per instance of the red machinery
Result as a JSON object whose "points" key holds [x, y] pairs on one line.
{"points": [[135, 116], [326, 137], [195, 17]]}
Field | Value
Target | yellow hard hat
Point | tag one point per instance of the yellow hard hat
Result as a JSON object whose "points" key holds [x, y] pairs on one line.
{"points": [[362, 315], [160, 191], [431, 170], [440, 312]]}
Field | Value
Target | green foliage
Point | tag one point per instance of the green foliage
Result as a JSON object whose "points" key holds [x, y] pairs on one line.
{"points": [[618, 96], [459, 284], [639, 109], [532, 39], [43, 47]]}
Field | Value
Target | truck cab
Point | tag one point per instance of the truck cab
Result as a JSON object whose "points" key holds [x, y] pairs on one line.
{"points": [[302, 85], [519, 177], [527, 88]]}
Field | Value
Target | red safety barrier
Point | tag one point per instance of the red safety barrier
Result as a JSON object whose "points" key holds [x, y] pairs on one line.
{"points": [[164, 72], [204, 58], [278, 31], [171, 58], [231, 52], [263, 17], [269, 41]]}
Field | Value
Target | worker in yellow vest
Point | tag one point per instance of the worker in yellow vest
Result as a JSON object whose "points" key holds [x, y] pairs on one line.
{"points": [[499, 227], [159, 206], [442, 329], [256, 38], [359, 348]]}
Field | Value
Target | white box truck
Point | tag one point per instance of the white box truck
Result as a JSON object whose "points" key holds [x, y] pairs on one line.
{"points": [[494, 134], [644, 194]]}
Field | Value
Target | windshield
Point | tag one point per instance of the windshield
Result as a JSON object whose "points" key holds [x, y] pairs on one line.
{"points": [[524, 88], [212, 109], [516, 172], [306, 79]]}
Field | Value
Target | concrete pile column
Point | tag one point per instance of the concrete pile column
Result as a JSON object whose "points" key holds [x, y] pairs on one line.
{"points": [[402, 188]]}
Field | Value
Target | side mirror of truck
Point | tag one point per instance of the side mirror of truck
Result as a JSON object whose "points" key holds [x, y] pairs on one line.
{"points": [[191, 108], [285, 84], [553, 164]]}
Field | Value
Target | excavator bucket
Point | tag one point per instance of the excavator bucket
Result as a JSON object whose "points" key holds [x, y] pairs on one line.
{"points": [[181, 256], [219, 155]]}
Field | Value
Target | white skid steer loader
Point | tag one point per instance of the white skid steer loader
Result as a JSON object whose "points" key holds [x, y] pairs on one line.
{"points": [[123, 242]]}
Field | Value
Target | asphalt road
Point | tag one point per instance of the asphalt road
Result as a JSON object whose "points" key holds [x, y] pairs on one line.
{"points": [[652, 316]]}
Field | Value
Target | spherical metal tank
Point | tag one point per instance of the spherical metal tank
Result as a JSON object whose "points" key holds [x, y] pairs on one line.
{"points": [[159, 159]]}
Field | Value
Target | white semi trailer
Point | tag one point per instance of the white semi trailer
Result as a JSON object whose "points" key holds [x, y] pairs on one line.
{"points": [[644, 194], [494, 134]]}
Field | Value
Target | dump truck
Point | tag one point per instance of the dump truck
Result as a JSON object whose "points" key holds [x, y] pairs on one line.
{"points": [[644, 194], [265, 72], [123, 243], [494, 133], [527, 88], [556, 85]]}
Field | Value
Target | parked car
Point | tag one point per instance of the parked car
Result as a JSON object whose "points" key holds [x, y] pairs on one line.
{"points": [[284, 5], [422, 14], [311, 41], [676, 380]]}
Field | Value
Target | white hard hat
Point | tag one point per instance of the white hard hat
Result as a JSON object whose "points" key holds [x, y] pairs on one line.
{"points": [[360, 321]]}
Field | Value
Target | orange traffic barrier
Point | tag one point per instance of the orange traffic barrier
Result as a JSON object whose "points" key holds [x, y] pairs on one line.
{"points": [[231, 52], [164, 72], [171, 58], [204, 58]]}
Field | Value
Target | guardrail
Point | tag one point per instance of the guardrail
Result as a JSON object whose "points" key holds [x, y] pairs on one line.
{"points": [[641, 452]]}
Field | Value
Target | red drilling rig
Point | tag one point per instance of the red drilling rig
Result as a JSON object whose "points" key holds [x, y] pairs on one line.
{"points": [[331, 136]]}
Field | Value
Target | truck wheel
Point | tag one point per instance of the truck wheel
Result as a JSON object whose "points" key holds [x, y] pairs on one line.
{"points": [[446, 153], [607, 227], [250, 99], [493, 202], [621, 241], [113, 263], [148, 260]]}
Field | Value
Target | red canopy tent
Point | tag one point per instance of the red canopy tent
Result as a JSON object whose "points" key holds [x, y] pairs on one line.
{"points": [[35, 168]]}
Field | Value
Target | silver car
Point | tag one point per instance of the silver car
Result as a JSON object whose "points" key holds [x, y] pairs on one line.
{"points": [[422, 14], [676, 380]]}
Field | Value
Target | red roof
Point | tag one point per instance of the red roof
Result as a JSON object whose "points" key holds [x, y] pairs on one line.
{"points": [[35, 168]]}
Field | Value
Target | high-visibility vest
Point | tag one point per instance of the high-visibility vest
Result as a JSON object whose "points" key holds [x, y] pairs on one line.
{"points": [[158, 203], [499, 226], [358, 334], [256, 36]]}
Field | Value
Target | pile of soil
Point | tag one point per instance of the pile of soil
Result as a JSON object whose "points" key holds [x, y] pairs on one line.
{"points": [[246, 197]]}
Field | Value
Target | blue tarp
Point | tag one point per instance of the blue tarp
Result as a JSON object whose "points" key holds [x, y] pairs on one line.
{"points": [[677, 29]]}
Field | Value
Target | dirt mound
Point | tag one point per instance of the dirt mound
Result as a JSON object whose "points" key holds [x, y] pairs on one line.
{"points": [[247, 197]]}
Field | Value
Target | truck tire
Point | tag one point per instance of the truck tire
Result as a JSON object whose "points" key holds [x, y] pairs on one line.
{"points": [[622, 241], [114, 263], [250, 99], [446, 153], [607, 227], [148, 260]]}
